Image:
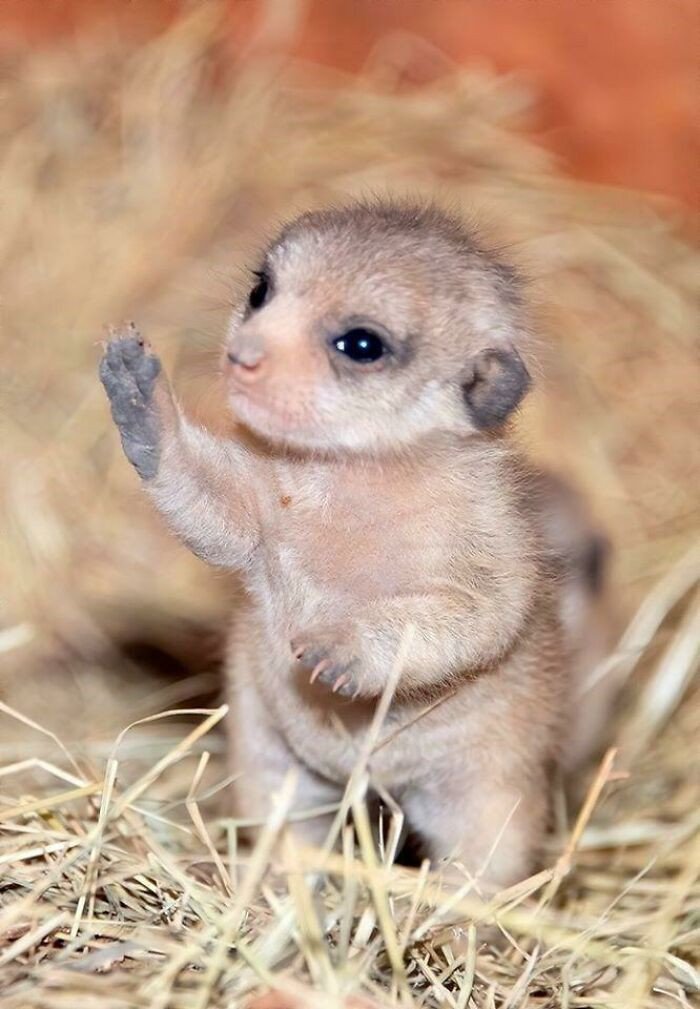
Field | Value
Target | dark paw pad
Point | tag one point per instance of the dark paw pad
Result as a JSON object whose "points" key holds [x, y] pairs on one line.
{"points": [[129, 372]]}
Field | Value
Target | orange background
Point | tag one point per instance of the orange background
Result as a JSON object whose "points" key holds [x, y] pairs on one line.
{"points": [[617, 79]]}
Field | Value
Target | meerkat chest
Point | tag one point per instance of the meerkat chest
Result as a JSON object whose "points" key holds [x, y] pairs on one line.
{"points": [[359, 534]]}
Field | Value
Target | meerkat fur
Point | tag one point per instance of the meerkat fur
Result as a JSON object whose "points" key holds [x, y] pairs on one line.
{"points": [[376, 365]]}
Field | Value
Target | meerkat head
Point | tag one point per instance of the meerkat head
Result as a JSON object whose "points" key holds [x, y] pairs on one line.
{"points": [[370, 326]]}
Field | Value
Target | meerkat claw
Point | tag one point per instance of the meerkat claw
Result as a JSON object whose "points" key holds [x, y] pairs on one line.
{"points": [[342, 683], [319, 668]]}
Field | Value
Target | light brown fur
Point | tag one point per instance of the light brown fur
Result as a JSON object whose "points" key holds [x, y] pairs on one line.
{"points": [[372, 496]]}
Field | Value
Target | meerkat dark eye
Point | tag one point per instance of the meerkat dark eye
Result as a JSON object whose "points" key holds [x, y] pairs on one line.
{"points": [[259, 293], [360, 345]]}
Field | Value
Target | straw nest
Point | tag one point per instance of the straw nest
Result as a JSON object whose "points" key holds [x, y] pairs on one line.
{"points": [[135, 184]]}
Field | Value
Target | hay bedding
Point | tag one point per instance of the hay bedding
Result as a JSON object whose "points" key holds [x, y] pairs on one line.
{"points": [[132, 183]]}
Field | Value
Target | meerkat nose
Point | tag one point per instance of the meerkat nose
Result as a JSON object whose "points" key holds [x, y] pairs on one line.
{"points": [[247, 364]]}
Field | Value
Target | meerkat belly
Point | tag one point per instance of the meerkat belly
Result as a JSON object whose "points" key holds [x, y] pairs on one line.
{"points": [[323, 575], [521, 702], [328, 556], [418, 740]]}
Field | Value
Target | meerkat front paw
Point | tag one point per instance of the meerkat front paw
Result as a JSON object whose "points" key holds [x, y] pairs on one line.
{"points": [[129, 374], [331, 659]]}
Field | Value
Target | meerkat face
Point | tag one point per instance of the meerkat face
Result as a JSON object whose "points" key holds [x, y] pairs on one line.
{"points": [[369, 327]]}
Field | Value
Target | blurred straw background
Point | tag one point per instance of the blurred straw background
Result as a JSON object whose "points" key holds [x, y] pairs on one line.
{"points": [[137, 182]]}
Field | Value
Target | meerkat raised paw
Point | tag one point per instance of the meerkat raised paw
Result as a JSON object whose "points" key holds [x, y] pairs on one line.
{"points": [[129, 374]]}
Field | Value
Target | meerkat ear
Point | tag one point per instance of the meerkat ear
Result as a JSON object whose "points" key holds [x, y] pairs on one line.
{"points": [[498, 382]]}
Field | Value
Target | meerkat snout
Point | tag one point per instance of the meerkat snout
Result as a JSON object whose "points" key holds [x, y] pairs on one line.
{"points": [[248, 365]]}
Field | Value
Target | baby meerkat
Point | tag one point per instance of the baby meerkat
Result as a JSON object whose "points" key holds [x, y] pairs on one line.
{"points": [[374, 366]]}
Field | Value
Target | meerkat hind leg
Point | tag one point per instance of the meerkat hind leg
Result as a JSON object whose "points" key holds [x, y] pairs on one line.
{"points": [[261, 765], [491, 828]]}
